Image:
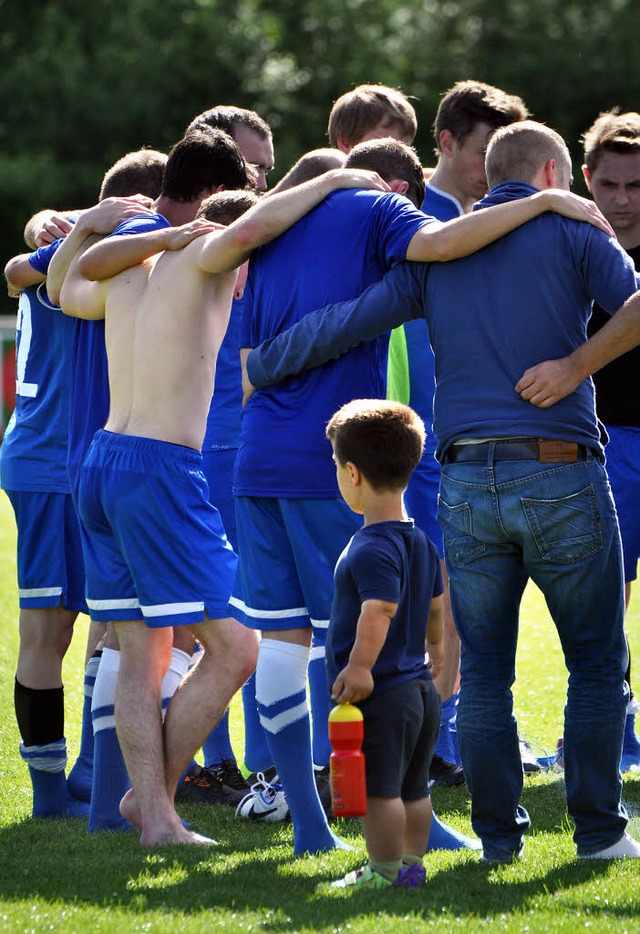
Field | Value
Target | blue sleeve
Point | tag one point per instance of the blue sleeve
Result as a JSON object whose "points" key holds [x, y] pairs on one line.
{"points": [[329, 333], [42, 257], [246, 316], [609, 271], [141, 223]]}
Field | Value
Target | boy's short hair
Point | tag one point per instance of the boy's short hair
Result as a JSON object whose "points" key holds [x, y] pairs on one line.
{"points": [[468, 103], [390, 159], [136, 173], [227, 118], [225, 207], [358, 112], [518, 151], [384, 439], [201, 161], [611, 132], [309, 166]]}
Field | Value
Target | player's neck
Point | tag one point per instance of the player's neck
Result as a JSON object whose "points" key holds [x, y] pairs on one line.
{"points": [[629, 238], [176, 212], [384, 507], [444, 180]]}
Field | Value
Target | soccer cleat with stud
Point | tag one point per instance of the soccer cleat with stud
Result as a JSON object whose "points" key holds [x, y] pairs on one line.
{"points": [[232, 777], [204, 786], [264, 802]]}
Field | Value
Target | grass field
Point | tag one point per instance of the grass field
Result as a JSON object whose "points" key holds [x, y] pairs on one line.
{"points": [[56, 877]]}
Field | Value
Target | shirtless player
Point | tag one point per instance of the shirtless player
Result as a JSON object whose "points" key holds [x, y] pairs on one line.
{"points": [[142, 494]]}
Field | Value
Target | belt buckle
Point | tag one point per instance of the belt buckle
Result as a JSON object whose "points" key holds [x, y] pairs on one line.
{"points": [[557, 452]]}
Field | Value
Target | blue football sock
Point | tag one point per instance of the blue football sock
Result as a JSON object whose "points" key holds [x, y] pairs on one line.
{"points": [[80, 776], [442, 837], [51, 797], [257, 756], [110, 778], [217, 745], [447, 743], [320, 698], [630, 745], [282, 702]]}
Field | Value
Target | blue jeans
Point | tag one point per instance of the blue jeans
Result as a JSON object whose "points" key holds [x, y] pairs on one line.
{"points": [[505, 522]]}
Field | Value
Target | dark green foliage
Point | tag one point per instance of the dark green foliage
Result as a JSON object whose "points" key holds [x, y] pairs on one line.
{"points": [[83, 83]]}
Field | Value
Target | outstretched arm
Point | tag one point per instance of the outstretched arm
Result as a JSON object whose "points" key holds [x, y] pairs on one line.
{"points": [[329, 333], [276, 213], [466, 234], [100, 219], [115, 254], [549, 382]]}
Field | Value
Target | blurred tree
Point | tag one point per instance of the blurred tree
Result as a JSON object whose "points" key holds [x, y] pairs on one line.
{"points": [[82, 83]]}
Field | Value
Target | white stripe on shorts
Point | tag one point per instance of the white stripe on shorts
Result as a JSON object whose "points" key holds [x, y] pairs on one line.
{"points": [[131, 603], [169, 609], [268, 614], [40, 592]]}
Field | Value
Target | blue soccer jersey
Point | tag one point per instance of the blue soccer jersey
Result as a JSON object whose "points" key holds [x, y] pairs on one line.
{"points": [[34, 449], [343, 245]]}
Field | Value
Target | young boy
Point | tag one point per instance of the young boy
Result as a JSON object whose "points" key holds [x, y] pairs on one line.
{"points": [[387, 599]]}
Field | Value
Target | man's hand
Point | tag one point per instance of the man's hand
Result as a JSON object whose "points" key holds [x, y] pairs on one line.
{"points": [[576, 208], [248, 388], [53, 228], [106, 215], [549, 382], [436, 657], [353, 684], [355, 178], [178, 237]]}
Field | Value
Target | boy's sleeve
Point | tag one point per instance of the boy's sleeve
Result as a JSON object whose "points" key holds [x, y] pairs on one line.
{"points": [[377, 571], [41, 258], [329, 333]]}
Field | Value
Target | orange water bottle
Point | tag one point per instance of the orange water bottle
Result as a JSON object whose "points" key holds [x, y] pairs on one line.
{"points": [[348, 782]]}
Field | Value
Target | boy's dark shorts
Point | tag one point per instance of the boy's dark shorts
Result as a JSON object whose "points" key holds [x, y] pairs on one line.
{"points": [[400, 730]]}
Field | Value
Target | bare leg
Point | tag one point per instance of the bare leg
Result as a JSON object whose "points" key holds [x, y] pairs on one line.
{"points": [[417, 825], [229, 657], [95, 637], [144, 657], [384, 829], [45, 635]]}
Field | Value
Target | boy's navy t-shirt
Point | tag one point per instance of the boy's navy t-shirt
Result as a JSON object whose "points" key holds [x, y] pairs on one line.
{"points": [[396, 562]]}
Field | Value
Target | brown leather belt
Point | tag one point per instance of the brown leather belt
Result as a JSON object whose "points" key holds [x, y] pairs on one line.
{"points": [[546, 451]]}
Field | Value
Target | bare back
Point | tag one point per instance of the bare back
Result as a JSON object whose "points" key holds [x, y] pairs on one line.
{"points": [[165, 321]]}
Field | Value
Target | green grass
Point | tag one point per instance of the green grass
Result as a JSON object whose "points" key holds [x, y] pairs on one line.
{"points": [[56, 877]]}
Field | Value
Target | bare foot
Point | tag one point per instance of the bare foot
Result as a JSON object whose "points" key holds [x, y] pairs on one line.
{"points": [[174, 832], [130, 810]]}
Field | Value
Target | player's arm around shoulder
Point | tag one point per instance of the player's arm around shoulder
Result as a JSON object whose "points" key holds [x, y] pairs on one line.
{"points": [[20, 274]]}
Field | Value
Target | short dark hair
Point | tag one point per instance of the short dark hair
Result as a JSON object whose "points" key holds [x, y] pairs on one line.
{"points": [[364, 108], [136, 173], [516, 152], [390, 159], [202, 160], [384, 439], [224, 117], [611, 132], [309, 166], [225, 207], [468, 103]]}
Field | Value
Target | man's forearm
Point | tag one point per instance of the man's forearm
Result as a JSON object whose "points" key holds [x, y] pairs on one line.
{"points": [[620, 334], [113, 255], [332, 331], [64, 256]]}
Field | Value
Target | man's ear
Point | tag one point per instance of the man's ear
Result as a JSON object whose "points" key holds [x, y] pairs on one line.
{"points": [[343, 145], [446, 142], [587, 176], [399, 185]]}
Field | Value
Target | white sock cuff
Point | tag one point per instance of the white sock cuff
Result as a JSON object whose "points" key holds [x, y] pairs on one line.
{"points": [[180, 662], [281, 671], [110, 660]]}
